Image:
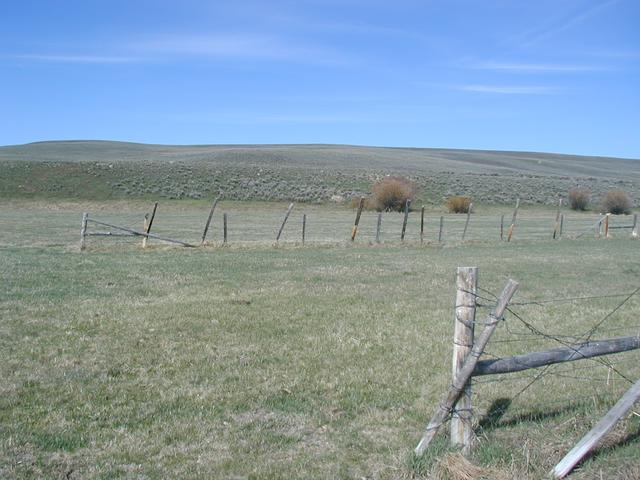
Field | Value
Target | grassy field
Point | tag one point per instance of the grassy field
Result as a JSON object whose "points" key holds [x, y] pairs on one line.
{"points": [[312, 173], [294, 362]]}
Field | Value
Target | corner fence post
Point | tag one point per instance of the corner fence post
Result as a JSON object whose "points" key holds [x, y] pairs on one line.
{"points": [[464, 321], [83, 230]]}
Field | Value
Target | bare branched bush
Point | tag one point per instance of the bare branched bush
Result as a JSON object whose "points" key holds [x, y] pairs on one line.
{"points": [[458, 204], [391, 193], [617, 202], [579, 198]]}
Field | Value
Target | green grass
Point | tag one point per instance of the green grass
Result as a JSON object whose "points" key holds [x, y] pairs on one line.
{"points": [[323, 361]]}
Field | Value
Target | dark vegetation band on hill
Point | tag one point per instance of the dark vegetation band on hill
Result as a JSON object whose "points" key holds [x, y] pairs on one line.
{"points": [[100, 170]]}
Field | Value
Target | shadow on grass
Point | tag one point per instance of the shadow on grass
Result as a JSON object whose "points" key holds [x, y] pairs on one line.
{"points": [[494, 417]]}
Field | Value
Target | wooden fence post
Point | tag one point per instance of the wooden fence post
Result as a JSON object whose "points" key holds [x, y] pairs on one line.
{"points": [[455, 390], [304, 226], [407, 205], [378, 227], [422, 225], [440, 230], [590, 440], [556, 226], [634, 228], [561, 224], [148, 226], [464, 321], [466, 224], [354, 231], [286, 216], [83, 230], [606, 225], [206, 226], [145, 226], [224, 228], [501, 227], [513, 220]]}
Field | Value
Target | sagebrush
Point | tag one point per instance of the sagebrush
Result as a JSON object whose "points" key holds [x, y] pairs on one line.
{"points": [[579, 198], [391, 193], [458, 204], [617, 202]]}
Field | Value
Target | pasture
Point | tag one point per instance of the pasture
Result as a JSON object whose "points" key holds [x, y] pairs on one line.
{"points": [[315, 361]]}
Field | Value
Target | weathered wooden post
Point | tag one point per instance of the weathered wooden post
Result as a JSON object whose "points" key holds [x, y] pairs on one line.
{"points": [[634, 228], [464, 321], [354, 231], [455, 390], [440, 229], [466, 224], [145, 226], [224, 228], [83, 230], [304, 226], [606, 225], [206, 226], [513, 220], [501, 227], [286, 216], [148, 225], [590, 440], [407, 205], [422, 225], [556, 226], [561, 224], [378, 225]]}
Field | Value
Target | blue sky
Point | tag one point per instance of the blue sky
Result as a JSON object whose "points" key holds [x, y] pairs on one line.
{"points": [[555, 76]]}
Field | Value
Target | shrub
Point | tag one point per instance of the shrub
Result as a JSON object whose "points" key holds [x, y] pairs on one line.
{"points": [[391, 193], [579, 198], [458, 204], [616, 202]]}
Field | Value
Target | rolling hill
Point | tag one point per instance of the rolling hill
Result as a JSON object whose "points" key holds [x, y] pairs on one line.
{"points": [[103, 169]]}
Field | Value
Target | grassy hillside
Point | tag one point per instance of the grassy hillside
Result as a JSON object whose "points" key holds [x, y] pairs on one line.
{"points": [[100, 170]]}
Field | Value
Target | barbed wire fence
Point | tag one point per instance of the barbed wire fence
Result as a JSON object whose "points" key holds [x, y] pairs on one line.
{"points": [[243, 225]]}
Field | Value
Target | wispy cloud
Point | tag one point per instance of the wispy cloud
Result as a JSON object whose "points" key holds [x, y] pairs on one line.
{"points": [[509, 89], [240, 46], [72, 58], [535, 36], [535, 67]]}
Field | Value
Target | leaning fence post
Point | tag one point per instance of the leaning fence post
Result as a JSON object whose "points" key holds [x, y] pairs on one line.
{"points": [[304, 226], [464, 322], [83, 230], [422, 225], [378, 225], [354, 231], [407, 204], [147, 228], [206, 226], [466, 224], [455, 390], [557, 224], [286, 216], [513, 220]]}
